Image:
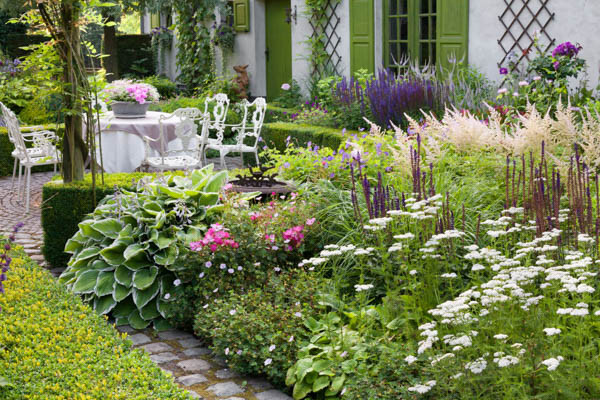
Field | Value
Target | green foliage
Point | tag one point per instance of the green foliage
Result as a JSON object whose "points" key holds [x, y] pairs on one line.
{"points": [[259, 331], [135, 55], [125, 255], [290, 97], [276, 134], [66, 205], [221, 84], [278, 114], [56, 347], [166, 88], [257, 246], [316, 115]]}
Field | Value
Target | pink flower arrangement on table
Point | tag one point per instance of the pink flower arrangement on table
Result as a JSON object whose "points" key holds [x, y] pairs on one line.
{"points": [[216, 237], [130, 91]]}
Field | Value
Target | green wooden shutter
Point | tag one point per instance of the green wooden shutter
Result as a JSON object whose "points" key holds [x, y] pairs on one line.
{"points": [[241, 15], [154, 20], [452, 31], [361, 35]]}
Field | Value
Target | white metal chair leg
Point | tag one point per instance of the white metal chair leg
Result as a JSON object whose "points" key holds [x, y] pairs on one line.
{"points": [[19, 182], [14, 175], [28, 190], [223, 165], [256, 156]]}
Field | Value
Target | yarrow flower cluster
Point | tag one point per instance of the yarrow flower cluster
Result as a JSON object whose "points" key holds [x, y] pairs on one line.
{"points": [[130, 91], [216, 237]]}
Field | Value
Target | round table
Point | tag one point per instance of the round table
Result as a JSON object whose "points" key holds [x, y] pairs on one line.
{"points": [[123, 148]]}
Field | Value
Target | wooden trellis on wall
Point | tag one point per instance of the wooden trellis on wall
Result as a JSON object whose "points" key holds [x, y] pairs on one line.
{"points": [[521, 20], [326, 24]]}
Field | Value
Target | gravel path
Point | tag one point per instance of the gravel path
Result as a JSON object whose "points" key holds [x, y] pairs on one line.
{"points": [[180, 354]]}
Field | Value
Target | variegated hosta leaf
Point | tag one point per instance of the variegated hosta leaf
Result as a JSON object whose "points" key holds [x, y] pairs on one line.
{"points": [[144, 278], [86, 282], [124, 275], [143, 297]]}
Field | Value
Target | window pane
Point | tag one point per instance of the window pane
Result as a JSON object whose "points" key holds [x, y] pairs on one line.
{"points": [[393, 54], [433, 6], [393, 7], [393, 29], [424, 28], [403, 7], [433, 59], [433, 26], [403, 50], [403, 28], [424, 56], [424, 6]]}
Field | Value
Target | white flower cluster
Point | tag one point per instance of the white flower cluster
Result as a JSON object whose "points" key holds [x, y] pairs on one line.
{"points": [[424, 388]]}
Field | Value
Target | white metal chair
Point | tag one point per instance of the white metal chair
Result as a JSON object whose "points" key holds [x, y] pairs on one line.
{"points": [[184, 152], [42, 151], [251, 126], [216, 121]]}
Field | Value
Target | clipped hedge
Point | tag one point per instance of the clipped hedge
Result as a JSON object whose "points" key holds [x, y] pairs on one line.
{"points": [[275, 135], [12, 43], [6, 148], [278, 114], [56, 347], [65, 206]]}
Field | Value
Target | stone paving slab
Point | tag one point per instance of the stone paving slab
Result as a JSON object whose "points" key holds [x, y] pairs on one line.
{"points": [[179, 354]]}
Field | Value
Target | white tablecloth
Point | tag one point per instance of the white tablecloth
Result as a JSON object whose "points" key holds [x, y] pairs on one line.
{"points": [[122, 143]]}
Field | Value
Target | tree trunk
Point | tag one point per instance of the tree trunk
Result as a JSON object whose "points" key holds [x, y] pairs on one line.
{"points": [[109, 48], [74, 148]]}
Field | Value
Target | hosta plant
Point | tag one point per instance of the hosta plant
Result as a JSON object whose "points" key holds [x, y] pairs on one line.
{"points": [[125, 254]]}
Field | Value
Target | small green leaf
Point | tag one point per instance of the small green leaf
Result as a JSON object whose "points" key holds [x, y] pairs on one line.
{"points": [[150, 311], [322, 365], [143, 278], [113, 254], [216, 182], [162, 324], [86, 282], [121, 292], [124, 275], [105, 283], [301, 389], [108, 227], [134, 251], [143, 297], [166, 256], [320, 383], [336, 385], [136, 321], [290, 377], [124, 308], [104, 305]]}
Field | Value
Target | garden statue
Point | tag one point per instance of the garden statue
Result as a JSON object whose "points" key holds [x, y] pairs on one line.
{"points": [[241, 81]]}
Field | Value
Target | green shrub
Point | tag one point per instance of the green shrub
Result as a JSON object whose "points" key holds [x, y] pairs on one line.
{"points": [[240, 251], [259, 331], [279, 114], [135, 55], [65, 206], [166, 88], [275, 135], [124, 256], [55, 347], [6, 148]]}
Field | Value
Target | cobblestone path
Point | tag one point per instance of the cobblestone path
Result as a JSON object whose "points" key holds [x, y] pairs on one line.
{"points": [[180, 354]]}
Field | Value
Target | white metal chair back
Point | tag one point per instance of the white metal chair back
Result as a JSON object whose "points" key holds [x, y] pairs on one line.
{"points": [[14, 131], [217, 117], [252, 124], [187, 148]]}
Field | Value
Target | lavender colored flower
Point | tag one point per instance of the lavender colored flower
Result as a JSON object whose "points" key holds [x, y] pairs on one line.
{"points": [[567, 49], [503, 71]]}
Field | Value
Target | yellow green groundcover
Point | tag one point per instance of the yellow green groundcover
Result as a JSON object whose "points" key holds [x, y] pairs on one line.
{"points": [[52, 346]]}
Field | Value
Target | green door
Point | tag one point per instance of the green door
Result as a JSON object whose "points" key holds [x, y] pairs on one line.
{"points": [[453, 31], [279, 46], [361, 35]]}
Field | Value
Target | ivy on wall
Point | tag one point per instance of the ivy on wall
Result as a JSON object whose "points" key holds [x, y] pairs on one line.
{"points": [[195, 55]]}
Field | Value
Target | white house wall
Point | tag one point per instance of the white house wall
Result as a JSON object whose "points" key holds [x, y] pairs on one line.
{"points": [[249, 48], [575, 21]]}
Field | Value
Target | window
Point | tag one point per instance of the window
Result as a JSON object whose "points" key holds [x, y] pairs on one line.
{"points": [[410, 31]]}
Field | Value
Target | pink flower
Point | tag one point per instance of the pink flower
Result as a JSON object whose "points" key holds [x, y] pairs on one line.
{"points": [[310, 221], [286, 86]]}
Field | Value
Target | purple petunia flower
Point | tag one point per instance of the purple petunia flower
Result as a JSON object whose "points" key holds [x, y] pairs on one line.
{"points": [[503, 71]]}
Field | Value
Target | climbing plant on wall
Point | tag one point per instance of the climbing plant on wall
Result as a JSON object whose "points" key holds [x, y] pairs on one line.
{"points": [[195, 55], [324, 40]]}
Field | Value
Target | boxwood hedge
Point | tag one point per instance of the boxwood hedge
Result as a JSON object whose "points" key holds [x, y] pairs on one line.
{"points": [[55, 347]]}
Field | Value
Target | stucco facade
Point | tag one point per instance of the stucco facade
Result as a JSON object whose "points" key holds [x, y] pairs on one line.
{"points": [[574, 20]]}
